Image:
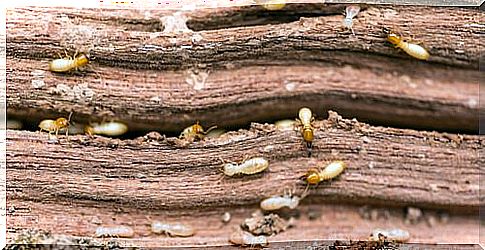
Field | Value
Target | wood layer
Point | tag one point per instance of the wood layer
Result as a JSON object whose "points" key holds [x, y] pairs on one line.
{"points": [[255, 73], [403, 166]]}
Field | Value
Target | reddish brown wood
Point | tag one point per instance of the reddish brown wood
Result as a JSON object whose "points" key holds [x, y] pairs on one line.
{"points": [[403, 166]]}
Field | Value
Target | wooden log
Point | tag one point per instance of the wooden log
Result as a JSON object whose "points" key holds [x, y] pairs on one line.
{"points": [[384, 164]]}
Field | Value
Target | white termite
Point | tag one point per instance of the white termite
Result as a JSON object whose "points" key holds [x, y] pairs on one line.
{"points": [[285, 124], [172, 229], [68, 63], [106, 128], [244, 238], [248, 167], [115, 231], [350, 12], [278, 202]]}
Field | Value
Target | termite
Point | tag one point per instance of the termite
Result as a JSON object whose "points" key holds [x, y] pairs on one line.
{"points": [[172, 229], [106, 128], [115, 231], [248, 167], [305, 121], [195, 132], [332, 170], [55, 125], [414, 50], [68, 63], [397, 235], [277, 202], [285, 124], [350, 12], [243, 238], [272, 4]]}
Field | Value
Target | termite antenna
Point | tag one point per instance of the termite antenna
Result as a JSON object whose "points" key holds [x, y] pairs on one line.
{"points": [[305, 192], [210, 129], [69, 119]]}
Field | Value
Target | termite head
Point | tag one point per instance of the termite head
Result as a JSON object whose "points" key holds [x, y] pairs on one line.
{"points": [[394, 38], [63, 122], [312, 176], [82, 59]]}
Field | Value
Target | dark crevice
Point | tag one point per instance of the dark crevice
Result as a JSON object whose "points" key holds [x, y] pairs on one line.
{"points": [[238, 17], [257, 15]]}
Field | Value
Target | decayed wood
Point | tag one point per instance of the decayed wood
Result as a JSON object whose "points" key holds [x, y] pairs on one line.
{"points": [[441, 99], [329, 223], [402, 166], [382, 89], [34, 32]]}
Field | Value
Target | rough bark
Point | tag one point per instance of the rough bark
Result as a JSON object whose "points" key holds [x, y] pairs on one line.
{"points": [[402, 166], [445, 100], [46, 32], [256, 73]]}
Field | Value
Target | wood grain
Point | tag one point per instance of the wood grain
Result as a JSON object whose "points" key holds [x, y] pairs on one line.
{"points": [[329, 222], [402, 166], [256, 73]]}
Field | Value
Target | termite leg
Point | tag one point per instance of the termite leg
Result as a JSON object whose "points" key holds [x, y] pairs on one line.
{"points": [[67, 55], [305, 192], [221, 170]]}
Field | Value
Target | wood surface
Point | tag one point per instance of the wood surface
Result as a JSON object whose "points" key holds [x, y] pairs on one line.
{"points": [[242, 68], [252, 73]]}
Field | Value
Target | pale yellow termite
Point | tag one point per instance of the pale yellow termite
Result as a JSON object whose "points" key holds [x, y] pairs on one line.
{"points": [[172, 229], [248, 167], [411, 49], [396, 234], [68, 63], [332, 170], [115, 231], [244, 238], [285, 124], [272, 4], [350, 12], [52, 126], [305, 121], [106, 128], [278, 202]]}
